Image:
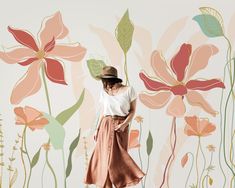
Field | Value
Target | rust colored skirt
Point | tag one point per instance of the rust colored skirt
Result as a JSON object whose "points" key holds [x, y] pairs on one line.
{"points": [[110, 161]]}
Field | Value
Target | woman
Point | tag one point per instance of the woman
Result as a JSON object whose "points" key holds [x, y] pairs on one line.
{"points": [[110, 164]]}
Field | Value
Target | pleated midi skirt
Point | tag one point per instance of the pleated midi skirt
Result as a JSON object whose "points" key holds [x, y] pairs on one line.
{"points": [[110, 158]]}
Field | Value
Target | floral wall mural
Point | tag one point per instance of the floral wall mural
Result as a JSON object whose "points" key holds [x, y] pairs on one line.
{"points": [[179, 60]]}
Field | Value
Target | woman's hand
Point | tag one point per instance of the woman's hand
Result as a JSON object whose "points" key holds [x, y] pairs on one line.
{"points": [[121, 127]]}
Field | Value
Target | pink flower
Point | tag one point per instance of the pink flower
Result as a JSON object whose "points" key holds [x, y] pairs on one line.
{"points": [[198, 127], [30, 117], [176, 80], [133, 139], [41, 53]]}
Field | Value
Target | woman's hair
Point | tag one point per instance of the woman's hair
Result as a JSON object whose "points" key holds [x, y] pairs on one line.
{"points": [[110, 82]]}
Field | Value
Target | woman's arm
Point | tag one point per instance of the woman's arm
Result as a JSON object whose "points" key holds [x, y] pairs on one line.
{"points": [[129, 117], [99, 122]]}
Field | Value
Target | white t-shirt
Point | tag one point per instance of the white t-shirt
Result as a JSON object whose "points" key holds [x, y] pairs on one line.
{"points": [[118, 104]]}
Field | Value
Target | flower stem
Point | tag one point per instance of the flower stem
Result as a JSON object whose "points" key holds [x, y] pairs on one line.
{"points": [[146, 171], [22, 157], [190, 169], [49, 108], [172, 152], [25, 147], [198, 145], [225, 116], [141, 165], [65, 183], [208, 170], [125, 69], [204, 161]]}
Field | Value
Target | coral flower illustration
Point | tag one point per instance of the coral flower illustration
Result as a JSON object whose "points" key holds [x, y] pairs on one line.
{"points": [[133, 139], [30, 117], [41, 53], [198, 127], [176, 80]]}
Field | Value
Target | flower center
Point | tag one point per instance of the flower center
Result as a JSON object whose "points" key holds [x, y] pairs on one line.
{"points": [[179, 90], [40, 54]]}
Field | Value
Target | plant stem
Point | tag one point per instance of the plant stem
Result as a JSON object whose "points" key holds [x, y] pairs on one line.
{"points": [[146, 171], [190, 169], [49, 108], [25, 147], [22, 157], [172, 152], [198, 145], [209, 166], [204, 161], [65, 183], [125, 69], [141, 165]]}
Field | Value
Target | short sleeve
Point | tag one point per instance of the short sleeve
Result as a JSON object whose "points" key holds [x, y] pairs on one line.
{"points": [[132, 94]]}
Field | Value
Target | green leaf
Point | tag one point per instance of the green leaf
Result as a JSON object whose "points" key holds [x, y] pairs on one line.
{"points": [[95, 67], [149, 143], [56, 131], [213, 12], [209, 24], [124, 32], [66, 114], [35, 158], [73, 145]]}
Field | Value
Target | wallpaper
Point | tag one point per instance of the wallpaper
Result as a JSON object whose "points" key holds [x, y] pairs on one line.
{"points": [[177, 55]]}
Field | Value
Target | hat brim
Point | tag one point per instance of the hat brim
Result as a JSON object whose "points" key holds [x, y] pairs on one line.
{"points": [[106, 76]]}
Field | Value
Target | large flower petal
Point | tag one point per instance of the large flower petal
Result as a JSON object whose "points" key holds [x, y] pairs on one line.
{"points": [[31, 113], [181, 60], [176, 107], [28, 85], [191, 127], [55, 71], [69, 52], [17, 55], [133, 139], [206, 127], [28, 61], [151, 84], [195, 99], [161, 69], [155, 101], [52, 27], [21, 118], [24, 38], [38, 123], [200, 58], [204, 85]]}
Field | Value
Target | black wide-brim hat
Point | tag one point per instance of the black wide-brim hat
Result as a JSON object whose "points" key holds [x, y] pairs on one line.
{"points": [[109, 72]]}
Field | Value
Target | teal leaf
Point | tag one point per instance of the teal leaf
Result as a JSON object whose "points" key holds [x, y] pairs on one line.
{"points": [[124, 32], [73, 145], [35, 158], [149, 143], [66, 114], [95, 67], [209, 25], [56, 132]]}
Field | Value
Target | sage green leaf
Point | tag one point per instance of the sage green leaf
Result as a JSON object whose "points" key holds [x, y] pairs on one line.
{"points": [[213, 12], [209, 25], [73, 145], [56, 131], [64, 116], [95, 67], [124, 32], [149, 143], [35, 158]]}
